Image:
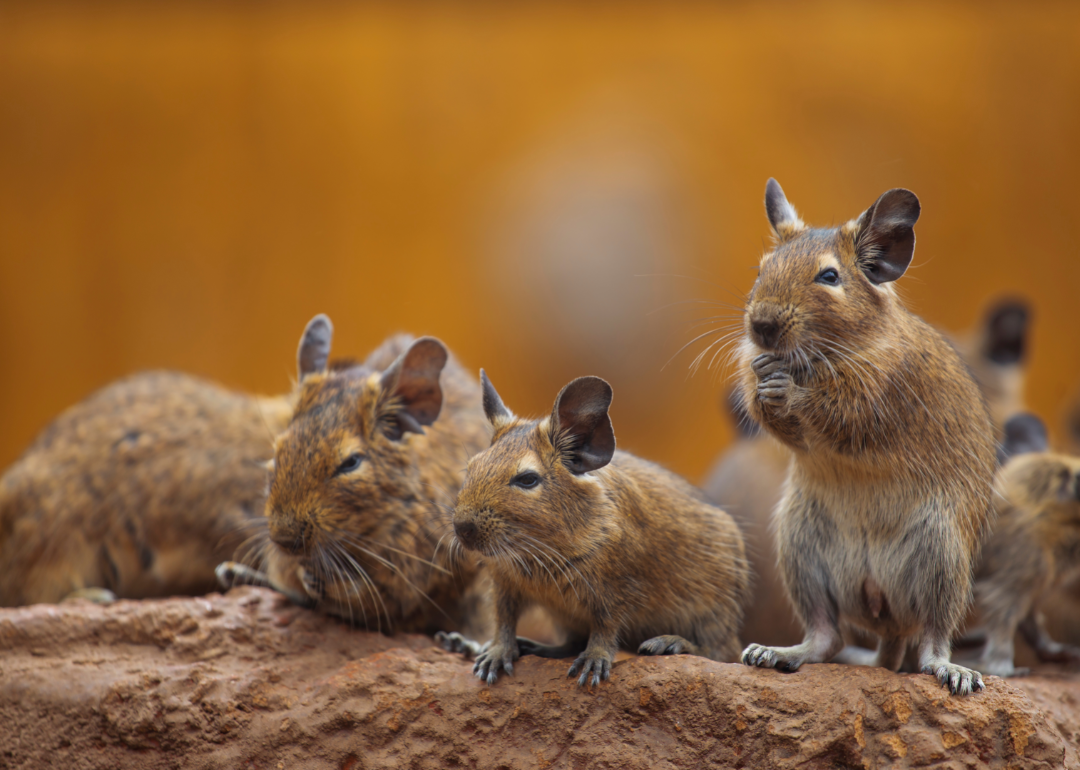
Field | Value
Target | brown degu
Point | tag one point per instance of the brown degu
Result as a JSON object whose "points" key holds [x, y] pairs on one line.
{"points": [[888, 495], [138, 491], [1034, 548], [362, 484], [620, 552], [747, 480]]}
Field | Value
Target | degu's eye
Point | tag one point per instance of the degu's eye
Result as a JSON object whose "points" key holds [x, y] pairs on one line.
{"points": [[828, 276], [526, 480], [349, 464]]}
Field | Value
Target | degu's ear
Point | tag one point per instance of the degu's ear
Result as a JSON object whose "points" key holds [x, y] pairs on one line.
{"points": [[413, 382], [580, 425], [1006, 332], [885, 241], [1024, 433], [494, 408], [785, 222], [314, 350]]}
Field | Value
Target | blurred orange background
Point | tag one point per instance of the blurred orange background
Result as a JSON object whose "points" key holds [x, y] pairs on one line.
{"points": [[185, 185]]}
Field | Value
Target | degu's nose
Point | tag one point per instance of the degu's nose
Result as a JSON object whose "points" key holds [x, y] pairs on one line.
{"points": [[466, 532], [290, 534], [765, 331]]}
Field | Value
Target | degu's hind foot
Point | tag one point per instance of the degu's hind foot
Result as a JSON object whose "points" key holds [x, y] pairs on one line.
{"points": [[596, 662], [959, 680], [668, 645], [452, 641], [786, 659], [231, 574], [95, 595], [492, 657]]}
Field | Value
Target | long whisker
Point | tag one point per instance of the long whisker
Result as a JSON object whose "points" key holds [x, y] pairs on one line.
{"points": [[358, 539]]}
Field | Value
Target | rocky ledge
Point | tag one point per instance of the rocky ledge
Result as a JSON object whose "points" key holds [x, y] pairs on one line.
{"points": [[246, 680]]}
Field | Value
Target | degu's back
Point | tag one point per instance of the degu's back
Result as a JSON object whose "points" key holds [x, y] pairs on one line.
{"points": [[140, 490]]}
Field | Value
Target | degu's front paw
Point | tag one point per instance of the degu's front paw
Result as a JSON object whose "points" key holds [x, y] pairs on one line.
{"points": [[766, 365], [492, 657], [773, 379], [231, 574], [595, 662], [759, 655], [452, 641], [959, 680]]}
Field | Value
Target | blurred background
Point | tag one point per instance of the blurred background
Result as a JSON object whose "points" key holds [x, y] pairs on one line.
{"points": [[553, 190]]}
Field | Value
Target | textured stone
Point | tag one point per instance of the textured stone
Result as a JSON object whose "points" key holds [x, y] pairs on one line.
{"points": [[248, 681]]}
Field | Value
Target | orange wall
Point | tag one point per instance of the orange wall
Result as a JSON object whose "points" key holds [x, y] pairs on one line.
{"points": [[185, 185]]}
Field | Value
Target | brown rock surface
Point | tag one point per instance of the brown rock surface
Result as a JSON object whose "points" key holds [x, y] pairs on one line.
{"points": [[247, 681]]}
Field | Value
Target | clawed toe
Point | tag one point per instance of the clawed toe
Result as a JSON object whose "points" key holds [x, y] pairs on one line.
{"points": [[760, 656], [600, 668], [455, 642], [488, 663], [957, 679], [765, 365], [662, 645]]}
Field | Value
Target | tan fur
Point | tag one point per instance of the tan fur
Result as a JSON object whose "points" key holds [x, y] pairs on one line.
{"points": [[747, 479], [893, 450], [140, 490], [625, 555], [1034, 549], [373, 546]]}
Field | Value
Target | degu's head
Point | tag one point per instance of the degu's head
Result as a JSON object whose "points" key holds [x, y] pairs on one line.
{"points": [[344, 470], [532, 489], [820, 288]]}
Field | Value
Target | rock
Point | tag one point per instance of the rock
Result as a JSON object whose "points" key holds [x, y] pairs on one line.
{"points": [[246, 680]]}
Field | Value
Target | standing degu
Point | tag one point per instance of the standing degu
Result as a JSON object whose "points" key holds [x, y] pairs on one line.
{"points": [[889, 490]]}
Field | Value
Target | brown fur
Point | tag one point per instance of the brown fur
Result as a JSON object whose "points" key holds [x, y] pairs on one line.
{"points": [[140, 490], [620, 552], [371, 545], [747, 480], [1034, 549], [893, 446]]}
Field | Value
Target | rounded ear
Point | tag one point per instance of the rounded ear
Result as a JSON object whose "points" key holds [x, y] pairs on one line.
{"points": [[494, 407], [413, 379], [314, 350], [886, 239], [785, 222], [1006, 331], [1024, 433], [580, 424]]}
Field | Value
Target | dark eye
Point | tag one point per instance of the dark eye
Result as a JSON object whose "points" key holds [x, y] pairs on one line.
{"points": [[526, 480], [349, 464], [828, 276]]}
